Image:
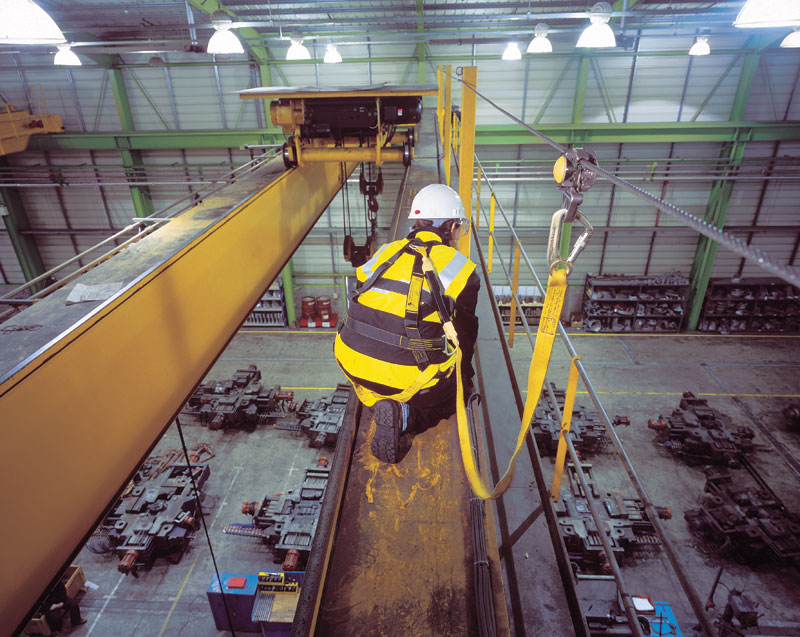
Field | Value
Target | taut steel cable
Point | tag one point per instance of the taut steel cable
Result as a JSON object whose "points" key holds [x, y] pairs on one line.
{"points": [[740, 247]]}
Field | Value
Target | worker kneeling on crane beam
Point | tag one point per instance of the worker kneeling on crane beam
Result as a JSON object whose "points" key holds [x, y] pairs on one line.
{"points": [[413, 307]]}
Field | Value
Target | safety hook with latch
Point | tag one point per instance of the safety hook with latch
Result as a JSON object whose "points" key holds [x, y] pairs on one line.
{"points": [[556, 224]]}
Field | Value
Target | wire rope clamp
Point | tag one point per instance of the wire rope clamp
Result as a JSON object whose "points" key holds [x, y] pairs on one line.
{"points": [[554, 258], [574, 178]]}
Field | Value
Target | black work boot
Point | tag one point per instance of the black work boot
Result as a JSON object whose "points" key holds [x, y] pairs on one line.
{"points": [[390, 422]]}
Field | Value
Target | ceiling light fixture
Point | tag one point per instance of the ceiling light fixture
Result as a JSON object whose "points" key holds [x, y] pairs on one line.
{"points": [[224, 41], [66, 56], [700, 46], [512, 52], [757, 14], [540, 43], [598, 35], [332, 56], [297, 51], [25, 22], [792, 41]]}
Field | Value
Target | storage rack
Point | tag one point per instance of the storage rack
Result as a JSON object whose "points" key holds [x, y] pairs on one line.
{"points": [[635, 304], [750, 305], [530, 298], [270, 311]]}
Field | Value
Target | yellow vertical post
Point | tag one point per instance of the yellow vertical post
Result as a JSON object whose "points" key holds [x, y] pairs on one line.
{"points": [[514, 286], [566, 421], [447, 130], [477, 215], [491, 231], [466, 156], [440, 100]]}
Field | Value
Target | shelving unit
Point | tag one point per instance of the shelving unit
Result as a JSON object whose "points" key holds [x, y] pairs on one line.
{"points": [[529, 297], [750, 305], [270, 311], [635, 304]]}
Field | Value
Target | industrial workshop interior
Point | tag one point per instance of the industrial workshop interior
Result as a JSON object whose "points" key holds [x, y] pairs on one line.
{"points": [[204, 204]]}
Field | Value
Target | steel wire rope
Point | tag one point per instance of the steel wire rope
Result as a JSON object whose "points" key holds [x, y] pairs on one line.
{"points": [[650, 509], [205, 526], [740, 247]]}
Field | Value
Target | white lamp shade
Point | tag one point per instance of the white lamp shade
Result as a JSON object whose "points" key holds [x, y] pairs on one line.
{"points": [[700, 47], [512, 52], [597, 36], [540, 44], [297, 51], [332, 56], [25, 22], [224, 42], [768, 13], [66, 57], [792, 41]]}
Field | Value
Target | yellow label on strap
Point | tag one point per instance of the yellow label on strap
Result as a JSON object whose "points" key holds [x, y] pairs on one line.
{"points": [[545, 337]]}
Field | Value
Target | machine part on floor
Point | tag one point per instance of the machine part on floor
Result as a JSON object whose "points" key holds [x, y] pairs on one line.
{"points": [[625, 520], [740, 608], [599, 601], [321, 419], [156, 518], [288, 522], [240, 402], [701, 435], [792, 416], [263, 603], [587, 432], [740, 518]]}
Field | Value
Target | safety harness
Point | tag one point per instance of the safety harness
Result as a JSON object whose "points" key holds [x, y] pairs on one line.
{"points": [[420, 348]]}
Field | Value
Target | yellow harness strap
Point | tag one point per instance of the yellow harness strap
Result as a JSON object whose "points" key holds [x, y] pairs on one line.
{"points": [[369, 398], [566, 422], [545, 337]]}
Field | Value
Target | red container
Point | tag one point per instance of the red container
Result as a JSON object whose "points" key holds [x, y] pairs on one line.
{"points": [[309, 306], [324, 307]]}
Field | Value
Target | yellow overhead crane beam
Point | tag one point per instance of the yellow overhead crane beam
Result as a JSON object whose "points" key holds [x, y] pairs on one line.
{"points": [[19, 121], [86, 390]]}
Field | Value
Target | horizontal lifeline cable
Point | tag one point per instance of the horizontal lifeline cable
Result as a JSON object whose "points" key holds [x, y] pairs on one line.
{"points": [[740, 247]]}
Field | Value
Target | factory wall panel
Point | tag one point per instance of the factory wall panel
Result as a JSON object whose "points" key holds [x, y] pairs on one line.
{"points": [[195, 113], [606, 89], [551, 90], [705, 74], [12, 272], [771, 96], [650, 99]]}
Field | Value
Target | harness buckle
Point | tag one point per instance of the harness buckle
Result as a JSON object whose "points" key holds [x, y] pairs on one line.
{"points": [[554, 258]]}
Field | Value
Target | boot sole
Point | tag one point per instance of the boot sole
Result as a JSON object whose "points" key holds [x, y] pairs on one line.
{"points": [[386, 442]]}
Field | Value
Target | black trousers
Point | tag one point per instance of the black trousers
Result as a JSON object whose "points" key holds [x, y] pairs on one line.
{"points": [[55, 617], [430, 406]]}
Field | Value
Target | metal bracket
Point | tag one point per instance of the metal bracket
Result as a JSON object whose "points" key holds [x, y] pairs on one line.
{"points": [[574, 178]]}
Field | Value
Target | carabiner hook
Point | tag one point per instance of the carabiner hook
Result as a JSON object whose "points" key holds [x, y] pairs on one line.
{"points": [[553, 255]]}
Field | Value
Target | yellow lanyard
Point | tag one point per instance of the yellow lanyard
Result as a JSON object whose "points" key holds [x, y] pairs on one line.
{"points": [[545, 337]]}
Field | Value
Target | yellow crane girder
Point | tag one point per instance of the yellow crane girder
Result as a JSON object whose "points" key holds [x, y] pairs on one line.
{"points": [[83, 408]]}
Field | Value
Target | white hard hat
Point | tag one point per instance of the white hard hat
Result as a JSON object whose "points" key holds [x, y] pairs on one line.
{"points": [[437, 201]]}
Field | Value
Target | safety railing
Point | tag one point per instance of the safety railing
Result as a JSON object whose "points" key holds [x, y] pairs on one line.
{"points": [[511, 274], [141, 227]]}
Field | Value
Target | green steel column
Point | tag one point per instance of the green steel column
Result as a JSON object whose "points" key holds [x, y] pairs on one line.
{"points": [[131, 159], [288, 292], [16, 222], [719, 199]]}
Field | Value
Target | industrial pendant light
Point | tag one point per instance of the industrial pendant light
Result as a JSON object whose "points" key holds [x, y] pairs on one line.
{"points": [[700, 47], [540, 43], [297, 51], [598, 35], [512, 52], [768, 13], [224, 41], [66, 56], [332, 56], [792, 41], [25, 22]]}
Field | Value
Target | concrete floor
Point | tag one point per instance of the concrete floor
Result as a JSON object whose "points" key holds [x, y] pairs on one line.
{"points": [[641, 376]]}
